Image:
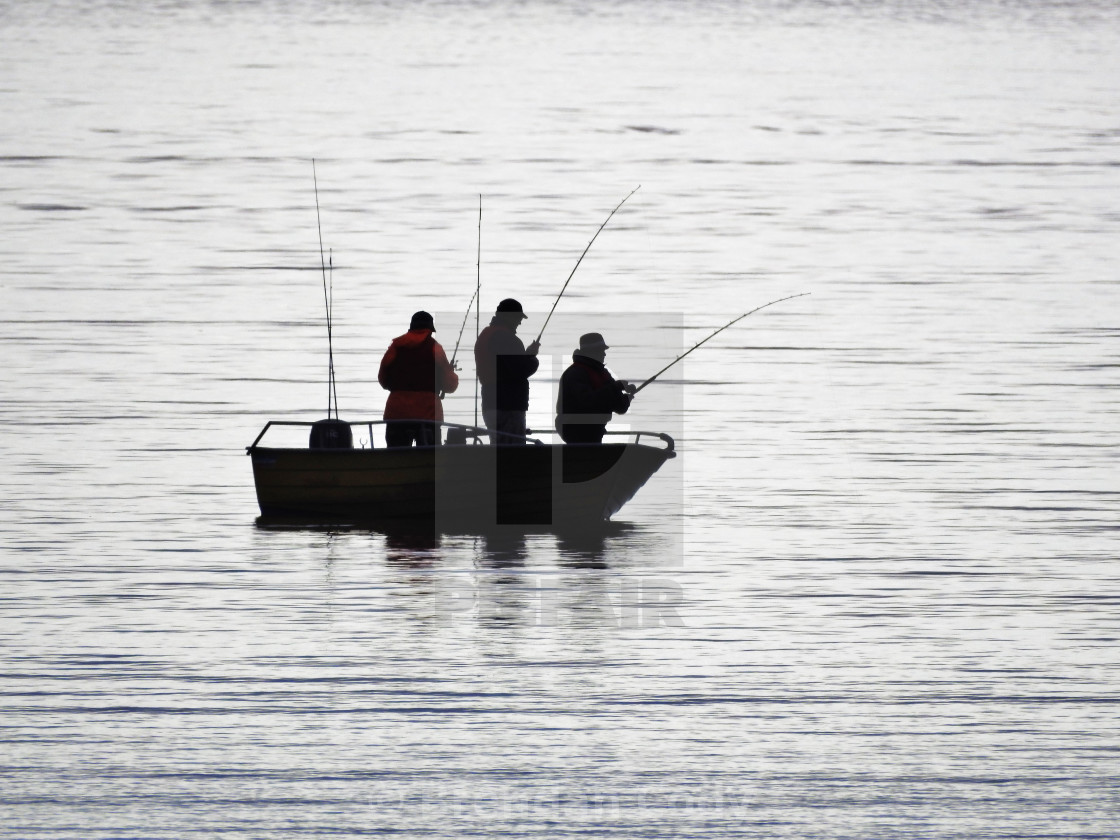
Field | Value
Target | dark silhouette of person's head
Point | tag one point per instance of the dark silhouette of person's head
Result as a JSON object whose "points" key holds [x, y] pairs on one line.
{"points": [[422, 321], [510, 313], [592, 346]]}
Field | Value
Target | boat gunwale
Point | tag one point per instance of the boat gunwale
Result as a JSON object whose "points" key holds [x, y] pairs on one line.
{"points": [[478, 433]]}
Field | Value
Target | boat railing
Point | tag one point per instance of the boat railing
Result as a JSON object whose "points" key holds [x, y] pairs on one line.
{"points": [[670, 444], [476, 434]]}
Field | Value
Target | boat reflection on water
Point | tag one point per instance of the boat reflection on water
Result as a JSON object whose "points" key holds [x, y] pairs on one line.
{"points": [[413, 550], [615, 577], [504, 549], [587, 548]]}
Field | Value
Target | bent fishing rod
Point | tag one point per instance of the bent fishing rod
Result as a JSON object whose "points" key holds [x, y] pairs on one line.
{"points": [[713, 335], [463, 326], [328, 300], [581, 256]]}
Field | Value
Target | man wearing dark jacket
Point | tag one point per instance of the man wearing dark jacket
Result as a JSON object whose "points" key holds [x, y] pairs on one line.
{"points": [[589, 394], [504, 366], [415, 371]]}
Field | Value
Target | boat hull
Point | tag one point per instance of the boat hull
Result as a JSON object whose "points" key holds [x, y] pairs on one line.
{"points": [[475, 486]]}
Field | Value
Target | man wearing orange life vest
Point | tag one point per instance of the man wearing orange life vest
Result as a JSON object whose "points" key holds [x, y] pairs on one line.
{"points": [[415, 371]]}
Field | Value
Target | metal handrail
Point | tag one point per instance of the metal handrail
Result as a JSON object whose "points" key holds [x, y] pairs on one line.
{"points": [[475, 432], [670, 444]]}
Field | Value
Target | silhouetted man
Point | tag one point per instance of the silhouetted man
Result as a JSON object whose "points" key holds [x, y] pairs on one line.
{"points": [[415, 371], [589, 395], [504, 366]]}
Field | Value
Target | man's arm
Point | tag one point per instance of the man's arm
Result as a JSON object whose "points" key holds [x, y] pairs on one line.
{"points": [[448, 379], [512, 357], [385, 371]]}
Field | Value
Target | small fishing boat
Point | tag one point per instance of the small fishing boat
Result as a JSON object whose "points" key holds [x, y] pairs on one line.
{"points": [[463, 484]]}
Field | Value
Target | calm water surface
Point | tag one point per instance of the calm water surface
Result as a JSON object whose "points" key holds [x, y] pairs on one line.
{"points": [[876, 596]]}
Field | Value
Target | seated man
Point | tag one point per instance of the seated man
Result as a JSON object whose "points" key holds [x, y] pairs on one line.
{"points": [[416, 372], [589, 394]]}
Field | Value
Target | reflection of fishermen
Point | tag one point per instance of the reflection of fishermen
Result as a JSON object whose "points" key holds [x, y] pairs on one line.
{"points": [[504, 367], [589, 394], [415, 370]]}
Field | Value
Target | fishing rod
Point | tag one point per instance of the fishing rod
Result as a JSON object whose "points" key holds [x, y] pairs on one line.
{"points": [[477, 286], [713, 335], [581, 256], [478, 297], [463, 326], [328, 300], [330, 328]]}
